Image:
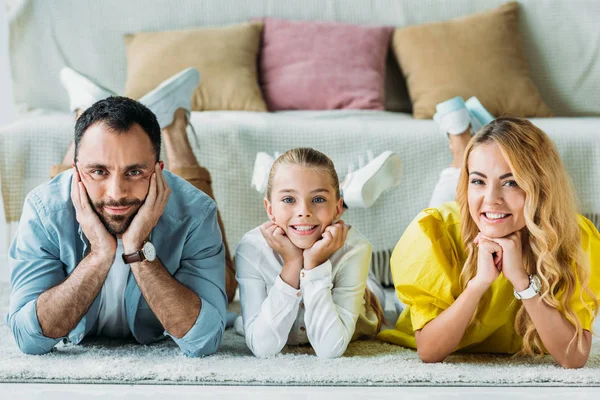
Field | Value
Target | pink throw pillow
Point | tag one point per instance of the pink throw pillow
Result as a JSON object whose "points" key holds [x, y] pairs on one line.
{"points": [[323, 65]]}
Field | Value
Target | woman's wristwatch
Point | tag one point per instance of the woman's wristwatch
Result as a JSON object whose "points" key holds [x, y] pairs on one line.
{"points": [[148, 252], [535, 286]]}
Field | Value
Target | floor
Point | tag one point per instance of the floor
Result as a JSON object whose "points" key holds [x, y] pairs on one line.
{"points": [[69, 392]]}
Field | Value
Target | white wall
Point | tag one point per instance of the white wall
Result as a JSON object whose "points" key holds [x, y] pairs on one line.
{"points": [[7, 109]]}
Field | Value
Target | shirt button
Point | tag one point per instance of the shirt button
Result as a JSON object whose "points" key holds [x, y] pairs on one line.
{"points": [[298, 294], [302, 274], [302, 305], [302, 328]]}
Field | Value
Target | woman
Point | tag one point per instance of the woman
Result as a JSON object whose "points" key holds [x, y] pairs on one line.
{"points": [[511, 267]]}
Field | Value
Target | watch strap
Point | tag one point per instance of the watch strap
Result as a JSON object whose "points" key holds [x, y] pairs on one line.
{"points": [[527, 293], [137, 256]]}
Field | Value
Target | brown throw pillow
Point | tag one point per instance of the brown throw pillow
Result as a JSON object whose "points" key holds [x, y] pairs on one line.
{"points": [[225, 56], [477, 55]]}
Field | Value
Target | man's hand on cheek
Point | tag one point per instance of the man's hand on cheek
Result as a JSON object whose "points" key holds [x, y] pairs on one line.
{"points": [[102, 243], [333, 239], [149, 213]]}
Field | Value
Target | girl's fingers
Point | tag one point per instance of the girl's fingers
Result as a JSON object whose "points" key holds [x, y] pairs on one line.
{"points": [[263, 227]]}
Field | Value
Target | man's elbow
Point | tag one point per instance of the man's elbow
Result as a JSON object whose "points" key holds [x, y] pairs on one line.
{"points": [[30, 347], [31, 343], [209, 348]]}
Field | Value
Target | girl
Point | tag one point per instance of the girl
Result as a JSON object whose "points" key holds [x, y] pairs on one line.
{"points": [[303, 274], [511, 267]]}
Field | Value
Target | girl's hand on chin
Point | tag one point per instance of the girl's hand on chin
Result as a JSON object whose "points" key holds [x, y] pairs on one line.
{"points": [[280, 243], [333, 239]]}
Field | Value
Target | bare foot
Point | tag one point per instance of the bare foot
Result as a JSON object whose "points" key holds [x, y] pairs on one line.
{"points": [[458, 144], [179, 151]]}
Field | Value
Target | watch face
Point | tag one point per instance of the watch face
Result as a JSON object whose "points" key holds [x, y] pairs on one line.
{"points": [[149, 251], [536, 283]]}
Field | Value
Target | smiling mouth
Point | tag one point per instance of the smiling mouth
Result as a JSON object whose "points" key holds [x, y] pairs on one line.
{"points": [[495, 217], [304, 230], [117, 210]]}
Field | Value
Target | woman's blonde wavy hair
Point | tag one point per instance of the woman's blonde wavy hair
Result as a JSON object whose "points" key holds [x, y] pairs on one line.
{"points": [[308, 157], [552, 248]]}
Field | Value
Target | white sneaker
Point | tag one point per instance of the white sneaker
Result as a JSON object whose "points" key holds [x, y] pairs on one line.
{"points": [[262, 168], [454, 116], [363, 187], [83, 92], [176, 92]]}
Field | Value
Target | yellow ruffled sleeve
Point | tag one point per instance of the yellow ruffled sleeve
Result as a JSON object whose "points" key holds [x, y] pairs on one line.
{"points": [[590, 243], [426, 264]]}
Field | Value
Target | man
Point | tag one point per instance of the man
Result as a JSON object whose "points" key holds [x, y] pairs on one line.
{"points": [[116, 247]]}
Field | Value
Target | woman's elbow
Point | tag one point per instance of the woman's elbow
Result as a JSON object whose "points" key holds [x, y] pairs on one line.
{"points": [[429, 356], [572, 364]]}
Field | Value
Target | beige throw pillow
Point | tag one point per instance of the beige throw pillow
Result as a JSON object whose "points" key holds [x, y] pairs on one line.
{"points": [[225, 56], [477, 55]]}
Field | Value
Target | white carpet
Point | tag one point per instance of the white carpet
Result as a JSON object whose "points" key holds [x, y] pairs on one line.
{"points": [[365, 363]]}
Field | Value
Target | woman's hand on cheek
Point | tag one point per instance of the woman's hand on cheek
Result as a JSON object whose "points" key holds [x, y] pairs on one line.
{"points": [[333, 239], [280, 243], [512, 260], [489, 262]]}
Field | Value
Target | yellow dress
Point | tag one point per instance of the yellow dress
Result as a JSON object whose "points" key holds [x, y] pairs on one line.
{"points": [[426, 266]]}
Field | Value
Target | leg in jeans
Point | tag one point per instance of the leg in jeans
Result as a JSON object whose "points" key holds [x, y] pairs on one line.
{"points": [[183, 162], [445, 189]]}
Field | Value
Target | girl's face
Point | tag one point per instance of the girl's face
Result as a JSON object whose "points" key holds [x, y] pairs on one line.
{"points": [[303, 203], [495, 200]]}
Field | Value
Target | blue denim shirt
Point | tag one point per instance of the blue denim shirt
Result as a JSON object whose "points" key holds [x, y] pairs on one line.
{"points": [[50, 244]]}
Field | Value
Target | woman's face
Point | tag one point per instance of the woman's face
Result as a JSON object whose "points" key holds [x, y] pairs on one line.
{"points": [[303, 203], [495, 200]]}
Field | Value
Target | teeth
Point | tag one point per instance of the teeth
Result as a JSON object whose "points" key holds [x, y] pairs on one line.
{"points": [[495, 216], [304, 227]]}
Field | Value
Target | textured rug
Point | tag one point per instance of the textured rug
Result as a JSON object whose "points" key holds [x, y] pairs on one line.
{"points": [[366, 363]]}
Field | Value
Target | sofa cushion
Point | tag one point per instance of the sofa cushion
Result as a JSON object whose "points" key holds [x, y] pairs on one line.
{"points": [[323, 65], [225, 56], [478, 55]]}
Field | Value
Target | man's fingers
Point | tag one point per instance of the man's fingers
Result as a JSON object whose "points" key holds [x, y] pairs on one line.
{"points": [[75, 192], [83, 198], [162, 187], [151, 197]]}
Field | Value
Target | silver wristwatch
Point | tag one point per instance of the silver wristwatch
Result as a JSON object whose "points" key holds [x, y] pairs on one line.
{"points": [[535, 286]]}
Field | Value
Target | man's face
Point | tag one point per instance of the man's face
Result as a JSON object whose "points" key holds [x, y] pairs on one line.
{"points": [[115, 169]]}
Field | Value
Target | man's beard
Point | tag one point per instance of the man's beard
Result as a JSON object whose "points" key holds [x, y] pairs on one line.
{"points": [[116, 224]]}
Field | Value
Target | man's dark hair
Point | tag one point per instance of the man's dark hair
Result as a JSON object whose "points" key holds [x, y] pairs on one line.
{"points": [[119, 114]]}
